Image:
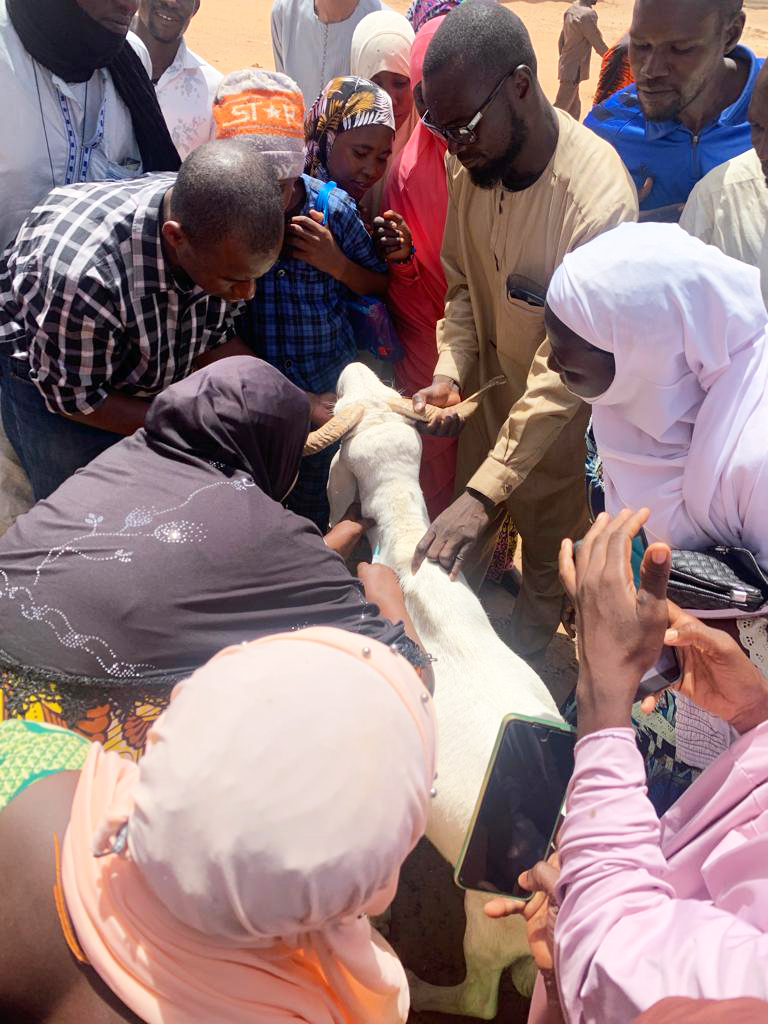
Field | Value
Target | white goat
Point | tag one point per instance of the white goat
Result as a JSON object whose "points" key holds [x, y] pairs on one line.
{"points": [[478, 679]]}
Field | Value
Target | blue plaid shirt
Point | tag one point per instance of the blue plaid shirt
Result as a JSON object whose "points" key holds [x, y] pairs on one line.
{"points": [[298, 319]]}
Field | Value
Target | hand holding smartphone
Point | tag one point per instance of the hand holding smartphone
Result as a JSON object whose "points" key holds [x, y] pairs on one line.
{"points": [[519, 805], [668, 669]]}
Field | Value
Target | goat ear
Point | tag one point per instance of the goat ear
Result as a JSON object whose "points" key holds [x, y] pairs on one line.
{"points": [[342, 488]]}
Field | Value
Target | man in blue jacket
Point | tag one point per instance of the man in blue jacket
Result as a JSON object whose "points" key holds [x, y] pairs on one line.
{"points": [[687, 111]]}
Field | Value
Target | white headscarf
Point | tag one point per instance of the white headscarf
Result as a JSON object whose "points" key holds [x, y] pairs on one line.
{"points": [[382, 42], [683, 428]]}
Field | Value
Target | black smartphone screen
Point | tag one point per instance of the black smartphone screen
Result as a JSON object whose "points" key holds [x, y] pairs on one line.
{"points": [[519, 808], [666, 672]]}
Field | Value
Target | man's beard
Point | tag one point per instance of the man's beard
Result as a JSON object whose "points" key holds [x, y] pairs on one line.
{"points": [[490, 174], [669, 112], [676, 104]]}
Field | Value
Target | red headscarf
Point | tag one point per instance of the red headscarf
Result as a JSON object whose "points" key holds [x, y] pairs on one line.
{"points": [[417, 190]]}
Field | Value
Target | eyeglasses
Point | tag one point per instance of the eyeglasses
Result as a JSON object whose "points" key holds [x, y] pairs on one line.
{"points": [[465, 135]]}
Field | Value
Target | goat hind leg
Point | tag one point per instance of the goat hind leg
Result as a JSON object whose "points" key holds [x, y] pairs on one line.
{"points": [[489, 947]]}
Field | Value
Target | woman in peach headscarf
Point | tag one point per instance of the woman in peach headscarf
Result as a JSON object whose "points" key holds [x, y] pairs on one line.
{"points": [[237, 895], [380, 52]]}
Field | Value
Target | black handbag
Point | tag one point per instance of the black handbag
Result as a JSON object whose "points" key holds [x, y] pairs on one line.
{"points": [[718, 579]]}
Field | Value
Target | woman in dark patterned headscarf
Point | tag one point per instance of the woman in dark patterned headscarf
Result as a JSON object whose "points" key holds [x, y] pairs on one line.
{"points": [[349, 106], [171, 545]]}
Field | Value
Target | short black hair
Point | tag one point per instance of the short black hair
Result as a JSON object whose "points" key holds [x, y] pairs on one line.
{"points": [[227, 189], [480, 35], [729, 9]]}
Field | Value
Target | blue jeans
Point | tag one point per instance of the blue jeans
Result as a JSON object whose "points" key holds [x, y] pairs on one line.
{"points": [[50, 447]]}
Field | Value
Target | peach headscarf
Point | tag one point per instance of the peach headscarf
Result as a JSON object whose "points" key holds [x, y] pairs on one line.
{"points": [[279, 795], [382, 42]]}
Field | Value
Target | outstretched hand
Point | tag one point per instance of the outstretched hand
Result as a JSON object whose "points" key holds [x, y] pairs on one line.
{"points": [[540, 913], [717, 674], [453, 535], [620, 628]]}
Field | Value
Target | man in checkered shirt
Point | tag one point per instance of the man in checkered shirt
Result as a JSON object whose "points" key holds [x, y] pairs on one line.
{"points": [[113, 291]]}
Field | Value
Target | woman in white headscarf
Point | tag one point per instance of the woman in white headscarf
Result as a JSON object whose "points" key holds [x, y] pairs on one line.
{"points": [[381, 52], [666, 338]]}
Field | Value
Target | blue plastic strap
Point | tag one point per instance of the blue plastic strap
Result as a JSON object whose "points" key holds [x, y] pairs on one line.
{"points": [[323, 196]]}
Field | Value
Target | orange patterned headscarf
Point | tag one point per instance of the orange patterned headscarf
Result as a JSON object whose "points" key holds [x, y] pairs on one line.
{"points": [[267, 109]]}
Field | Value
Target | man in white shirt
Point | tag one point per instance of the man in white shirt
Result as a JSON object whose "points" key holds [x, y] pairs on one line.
{"points": [[78, 105], [185, 84], [66, 115], [312, 39], [729, 206]]}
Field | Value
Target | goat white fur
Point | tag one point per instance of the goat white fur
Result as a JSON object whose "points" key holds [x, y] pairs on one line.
{"points": [[478, 679]]}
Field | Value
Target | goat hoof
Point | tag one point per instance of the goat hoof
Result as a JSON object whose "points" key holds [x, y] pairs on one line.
{"points": [[523, 973], [461, 1000], [383, 922]]}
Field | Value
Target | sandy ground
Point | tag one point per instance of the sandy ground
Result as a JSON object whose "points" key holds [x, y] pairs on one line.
{"points": [[427, 919], [234, 34]]}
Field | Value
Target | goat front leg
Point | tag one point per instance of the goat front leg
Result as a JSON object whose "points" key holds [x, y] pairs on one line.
{"points": [[490, 946]]}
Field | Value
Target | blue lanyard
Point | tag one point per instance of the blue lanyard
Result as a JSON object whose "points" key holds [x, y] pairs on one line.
{"points": [[77, 170]]}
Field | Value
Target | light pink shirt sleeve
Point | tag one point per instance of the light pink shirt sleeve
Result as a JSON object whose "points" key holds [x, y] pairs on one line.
{"points": [[623, 940]]}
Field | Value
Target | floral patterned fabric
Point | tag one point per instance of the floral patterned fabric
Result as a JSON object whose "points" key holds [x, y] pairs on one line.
{"points": [[422, 11], [185, 92], [118, 717]]}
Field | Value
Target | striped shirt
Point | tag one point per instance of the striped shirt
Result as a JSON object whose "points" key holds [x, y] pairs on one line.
{"points": [[87, 296]]}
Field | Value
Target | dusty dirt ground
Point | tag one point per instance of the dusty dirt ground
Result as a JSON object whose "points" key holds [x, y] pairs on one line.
{"points": [[234, 34], [428, 919]]}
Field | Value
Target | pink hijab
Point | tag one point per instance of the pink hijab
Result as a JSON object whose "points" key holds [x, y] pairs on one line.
{"points": [[705, 1011], [416, 189], [279, 795]]}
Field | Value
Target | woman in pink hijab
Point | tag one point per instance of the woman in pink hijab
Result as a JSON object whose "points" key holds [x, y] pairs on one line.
{"points": [[647, 908], [241, 894], [416, 189]]}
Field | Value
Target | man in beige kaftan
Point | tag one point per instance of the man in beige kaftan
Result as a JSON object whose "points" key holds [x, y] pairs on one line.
{"points": [[529, 186], [579, 37]]}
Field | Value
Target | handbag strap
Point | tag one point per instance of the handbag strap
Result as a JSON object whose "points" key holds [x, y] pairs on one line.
{"points": [[323, 198]]}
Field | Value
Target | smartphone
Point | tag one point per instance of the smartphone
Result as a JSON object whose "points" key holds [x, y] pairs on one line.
{"points": [[666, 672], [519, 805]]}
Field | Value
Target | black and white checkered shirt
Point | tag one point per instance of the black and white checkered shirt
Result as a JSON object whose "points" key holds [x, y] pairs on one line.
{"points": [[87, 296]]}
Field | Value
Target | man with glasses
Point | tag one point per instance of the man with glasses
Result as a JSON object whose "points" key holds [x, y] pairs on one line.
{"points": [[526, 184]]}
